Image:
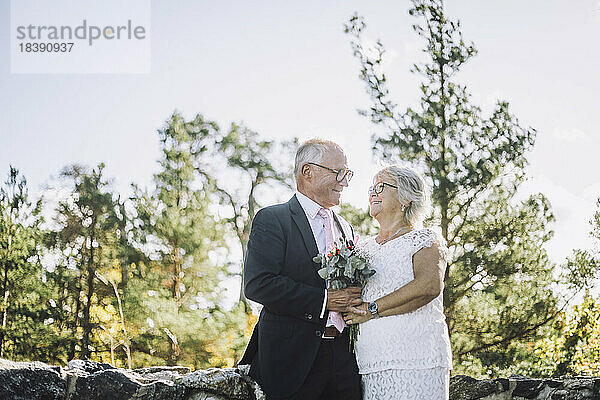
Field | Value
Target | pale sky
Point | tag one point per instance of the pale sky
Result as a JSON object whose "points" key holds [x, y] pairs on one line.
{"points": [[286, 69]]}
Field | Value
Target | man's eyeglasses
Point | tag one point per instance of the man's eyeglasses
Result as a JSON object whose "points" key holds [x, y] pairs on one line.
{"points": [[378, 187], [340, 173]]}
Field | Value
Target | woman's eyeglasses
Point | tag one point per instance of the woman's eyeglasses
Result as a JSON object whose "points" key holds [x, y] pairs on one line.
{"points": [[378, 187]]}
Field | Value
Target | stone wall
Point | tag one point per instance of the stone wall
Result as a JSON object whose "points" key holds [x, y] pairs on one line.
{"points": [[519, 387], [88, 380]]}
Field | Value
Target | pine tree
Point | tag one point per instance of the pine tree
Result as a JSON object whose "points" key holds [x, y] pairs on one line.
{"points": [[251, 164], [23, 309], [497, 287], [87, 234], [178, 297]]}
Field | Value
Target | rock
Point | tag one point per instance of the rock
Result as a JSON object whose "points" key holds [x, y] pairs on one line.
{"points": [[227, 382], [464, 387], [552, 383], [104, 384], [527, 388], [31, 381], [161, 369], [90, 380], [89, 366], [519, 387]]}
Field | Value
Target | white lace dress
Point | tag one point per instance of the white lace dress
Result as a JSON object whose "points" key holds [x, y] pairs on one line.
{"points": [[403, 356]]}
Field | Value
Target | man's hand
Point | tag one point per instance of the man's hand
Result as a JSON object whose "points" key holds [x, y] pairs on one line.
{"points": [[344, 300]]}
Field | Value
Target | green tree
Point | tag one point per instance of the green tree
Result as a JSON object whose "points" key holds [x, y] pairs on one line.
{"points": [[498, 285], [574, 346], [86, 238], [63, 283], [363, 224], [177, 296], [237, 164], [23, 307], [582, 268]]}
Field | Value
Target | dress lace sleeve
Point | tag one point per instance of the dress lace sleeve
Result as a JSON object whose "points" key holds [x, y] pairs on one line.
{"points": [[428, 237]]}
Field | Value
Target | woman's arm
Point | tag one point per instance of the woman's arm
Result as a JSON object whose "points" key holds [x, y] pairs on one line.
{"points": [[429, 267]]}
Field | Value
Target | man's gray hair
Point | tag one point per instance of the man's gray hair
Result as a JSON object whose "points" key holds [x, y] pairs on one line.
{"points": [[312, 150], [412, 192]]}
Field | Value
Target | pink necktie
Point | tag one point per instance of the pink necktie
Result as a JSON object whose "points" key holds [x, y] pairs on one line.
{"points": [[333, 318]]}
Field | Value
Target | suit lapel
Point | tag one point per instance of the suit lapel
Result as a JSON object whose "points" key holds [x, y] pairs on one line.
{"points": [[301, 222]]}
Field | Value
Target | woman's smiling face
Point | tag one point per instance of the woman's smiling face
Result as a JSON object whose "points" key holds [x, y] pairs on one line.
{"points": [[386, 202]]}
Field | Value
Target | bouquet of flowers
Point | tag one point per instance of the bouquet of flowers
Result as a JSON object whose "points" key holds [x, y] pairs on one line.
{"points": [[345, 266]]}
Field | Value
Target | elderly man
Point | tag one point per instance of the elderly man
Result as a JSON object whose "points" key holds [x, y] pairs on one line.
{"points": [[300, 347]]}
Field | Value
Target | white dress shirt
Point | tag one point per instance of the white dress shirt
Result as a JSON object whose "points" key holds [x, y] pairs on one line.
{"points": [[317, 226]]}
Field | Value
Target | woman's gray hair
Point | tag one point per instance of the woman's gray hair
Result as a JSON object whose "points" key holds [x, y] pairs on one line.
{"points": [[412, 192], [312, 150]]}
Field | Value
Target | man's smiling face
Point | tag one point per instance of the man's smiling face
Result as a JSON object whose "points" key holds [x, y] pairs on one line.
{"points": [[325, 187]]}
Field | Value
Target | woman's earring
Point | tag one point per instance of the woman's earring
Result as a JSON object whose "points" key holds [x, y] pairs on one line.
{"points": [[403, 208]]}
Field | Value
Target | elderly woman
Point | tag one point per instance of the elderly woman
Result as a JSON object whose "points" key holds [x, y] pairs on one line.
{"points": [[403, 350]]}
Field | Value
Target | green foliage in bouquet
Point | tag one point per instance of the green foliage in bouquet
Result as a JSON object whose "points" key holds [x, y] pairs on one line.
{"points": [[344, 266]]}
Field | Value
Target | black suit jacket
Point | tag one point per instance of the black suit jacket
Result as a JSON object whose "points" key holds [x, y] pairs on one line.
{"points": [[279, 274]]}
